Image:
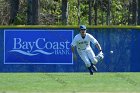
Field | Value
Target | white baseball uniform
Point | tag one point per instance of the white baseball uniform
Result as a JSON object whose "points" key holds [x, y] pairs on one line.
{"points": [[83, 48]]}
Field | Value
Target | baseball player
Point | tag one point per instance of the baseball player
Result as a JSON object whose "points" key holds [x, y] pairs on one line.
{"points": [[82, 42]]}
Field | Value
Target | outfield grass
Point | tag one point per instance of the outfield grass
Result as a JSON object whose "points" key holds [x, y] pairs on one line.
{"points": [[69, 82]]}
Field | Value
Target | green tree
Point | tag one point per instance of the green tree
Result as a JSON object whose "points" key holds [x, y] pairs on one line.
{"points": [[96, 12], [134, 12], [138, 12], [72, 12], [14, 7], [33, 12], [90, 11], [64, 12]]}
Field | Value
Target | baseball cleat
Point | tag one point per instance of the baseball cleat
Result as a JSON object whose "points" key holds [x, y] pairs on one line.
{"points": [[94, 68], [90, 70], [91, 73]]}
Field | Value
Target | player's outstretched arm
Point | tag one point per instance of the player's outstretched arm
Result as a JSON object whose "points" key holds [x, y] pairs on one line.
{"points": [[99, 47], [100, 55]]}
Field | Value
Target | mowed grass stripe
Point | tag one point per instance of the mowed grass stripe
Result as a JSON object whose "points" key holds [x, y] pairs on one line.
{"points": [[69, 82]]}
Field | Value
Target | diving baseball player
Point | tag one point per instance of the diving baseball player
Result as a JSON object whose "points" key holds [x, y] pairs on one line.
{"points": [[82, 42]]}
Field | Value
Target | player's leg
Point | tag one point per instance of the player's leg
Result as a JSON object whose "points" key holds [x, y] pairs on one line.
{"points": [[86, 60], [94, 67], [93, 59]]}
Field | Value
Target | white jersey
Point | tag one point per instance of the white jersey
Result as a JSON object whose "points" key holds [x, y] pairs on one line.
{"points": [[83, 43]]}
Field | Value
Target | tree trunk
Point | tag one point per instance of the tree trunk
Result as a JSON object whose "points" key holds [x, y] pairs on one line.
{"points": [[33, 12], [108, 13], [129, 13], [90, 11], [102, 12], [95, 10], [78, 12], [134, 12], [138, 12], [64, 12], [14, 7]]}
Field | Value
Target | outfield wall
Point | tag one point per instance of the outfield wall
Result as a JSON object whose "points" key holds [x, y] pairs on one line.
{"points": [[47, 49]]}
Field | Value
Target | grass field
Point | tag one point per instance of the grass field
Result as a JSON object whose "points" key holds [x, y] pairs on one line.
{"points": [[69, 83]]}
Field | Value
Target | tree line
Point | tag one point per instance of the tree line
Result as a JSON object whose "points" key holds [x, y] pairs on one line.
{"points": [[70, 12]]}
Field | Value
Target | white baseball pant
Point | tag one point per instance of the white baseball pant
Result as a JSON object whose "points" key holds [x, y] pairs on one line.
{"points": [[87, 56]]}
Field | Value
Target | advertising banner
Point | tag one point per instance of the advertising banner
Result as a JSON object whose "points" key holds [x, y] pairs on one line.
{"points": [[29, 46]]}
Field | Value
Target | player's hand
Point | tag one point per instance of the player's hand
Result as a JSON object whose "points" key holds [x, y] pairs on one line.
{"points": [[101, 53], [100, 56], [74, 57]]}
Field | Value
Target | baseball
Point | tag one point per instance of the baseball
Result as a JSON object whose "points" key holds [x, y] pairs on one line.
{"points": [[111, 52]]}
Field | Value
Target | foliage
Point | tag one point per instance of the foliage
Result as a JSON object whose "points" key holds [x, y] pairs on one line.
{"points": [[120, 13], [4, 13], [50, 12], [21, 17]]}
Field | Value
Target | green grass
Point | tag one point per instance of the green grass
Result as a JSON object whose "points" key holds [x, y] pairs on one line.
{"points": [[69, 82]]}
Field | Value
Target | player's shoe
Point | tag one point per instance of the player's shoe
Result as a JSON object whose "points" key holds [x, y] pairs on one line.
{"points": [[90, 70], [91, 73], [94, 68]]}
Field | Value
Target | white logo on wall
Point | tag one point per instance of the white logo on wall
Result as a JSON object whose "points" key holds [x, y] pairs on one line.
{"points": [[40, 46]]}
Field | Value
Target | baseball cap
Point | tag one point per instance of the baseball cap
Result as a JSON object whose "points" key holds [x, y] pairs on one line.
{"points": [[82, 27]]}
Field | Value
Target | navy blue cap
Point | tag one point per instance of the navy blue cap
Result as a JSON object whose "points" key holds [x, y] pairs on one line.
{"points": [[82, 27]]}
